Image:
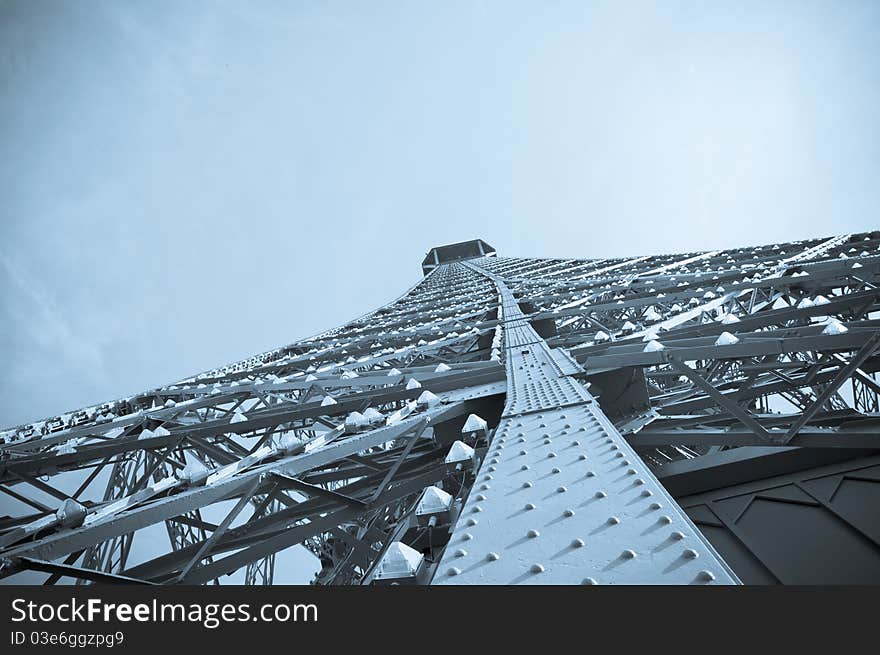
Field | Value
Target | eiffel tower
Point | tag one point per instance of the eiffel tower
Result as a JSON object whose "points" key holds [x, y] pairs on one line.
{"points": [[696, 418]]}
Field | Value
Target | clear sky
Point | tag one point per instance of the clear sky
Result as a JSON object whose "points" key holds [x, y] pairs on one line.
{"points": [[184, 184]]}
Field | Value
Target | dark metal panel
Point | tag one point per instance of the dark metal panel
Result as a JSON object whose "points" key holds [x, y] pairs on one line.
{"points": [[816, 526]]}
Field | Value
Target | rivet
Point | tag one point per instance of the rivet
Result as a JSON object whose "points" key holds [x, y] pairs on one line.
{"points": [[461, 552], [556, 470], [631, 472], [530, 506], [647, 492], [690, 553], [472, 521], [590, 474], [678, 536], [537, 568], [577, 543], [524, 452], [589, 581], [488, 477], [551, 454], [521, 439], [481, 497], [467, 536], [613, 520], [656, 505], [706, 576], [453, 571], [601, 494], [533, 533], [491, 468], [569, 513], [618, 455], [628, 554], [562, 490], [524, 467], [477, 509], [582, 457], [483, 487], [492, 557], [575, 443], [665, 520]]}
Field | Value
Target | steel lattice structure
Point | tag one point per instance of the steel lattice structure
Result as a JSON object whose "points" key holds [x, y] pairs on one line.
{"points": [[706, 417]]}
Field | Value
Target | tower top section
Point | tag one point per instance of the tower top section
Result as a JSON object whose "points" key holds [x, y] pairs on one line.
{"points": [[455, 252]]}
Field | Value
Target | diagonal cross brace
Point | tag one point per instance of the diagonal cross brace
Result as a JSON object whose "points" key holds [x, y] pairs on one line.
{"points": [[419, 429], [725, 402], [842, 376], [221, 529], [314, 490]]}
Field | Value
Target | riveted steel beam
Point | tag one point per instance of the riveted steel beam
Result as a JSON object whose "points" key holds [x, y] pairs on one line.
{"points": [[561, 498]]}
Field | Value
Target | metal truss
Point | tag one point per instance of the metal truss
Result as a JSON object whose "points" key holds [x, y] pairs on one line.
{"points": [[611, 413]]}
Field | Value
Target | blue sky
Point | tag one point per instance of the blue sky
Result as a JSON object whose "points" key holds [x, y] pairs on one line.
{"points": [[185, 184]]}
